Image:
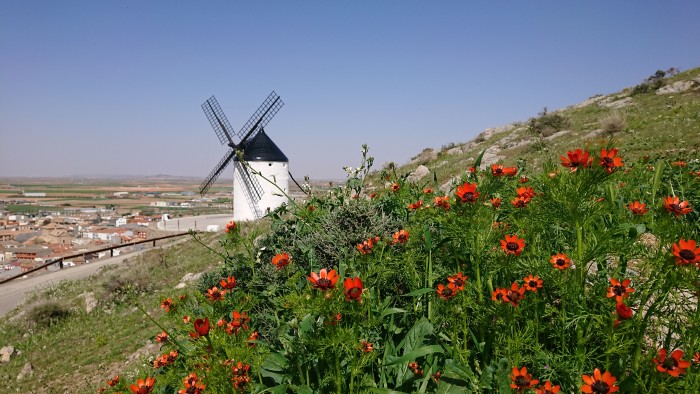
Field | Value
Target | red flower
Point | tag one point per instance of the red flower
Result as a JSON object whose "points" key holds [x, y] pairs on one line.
{"points": [[395, 187], [610, 160], [413, 366], [366, 246], [457, 280], [442, 201], [520, 202], [113, 382], [467, 192], [143, 386], [323, 280], [548, 388], [512, 245], [353, 289], [623, 311], [280, 260], [576, 159], [192, 385], [516, 294], [619, 290], [428, 190], [162, 337], [598, 384], [253, 337], [637, 208], [165, 359], [673, 365], [675, 206], [560, 261], [446, 292], [400, 237], [202, 327], [521, 380], [215, 294], [686, 252], [240, 321], [679, 163], [532, 283], [230, 226], [366, 347], [240, 375], [228, 283], [525, 192], [524, 179], [495, 202], [186, 319], [499, 170], [167, 304], [416, 205]]}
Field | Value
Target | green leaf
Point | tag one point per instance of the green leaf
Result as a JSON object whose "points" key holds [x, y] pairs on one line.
{"points": [[419, 292], [391, 311], [420, 352], [477, 163], [384, 391]]}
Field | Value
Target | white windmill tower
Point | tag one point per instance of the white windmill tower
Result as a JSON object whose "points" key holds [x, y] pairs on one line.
{"points": [[253, 197]]}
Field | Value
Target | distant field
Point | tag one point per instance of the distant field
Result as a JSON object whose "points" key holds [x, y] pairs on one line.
{"points": [[21, 208]]}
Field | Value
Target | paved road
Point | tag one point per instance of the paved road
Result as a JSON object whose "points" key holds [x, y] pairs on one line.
{"points": [[199, 223], [13, 293]]}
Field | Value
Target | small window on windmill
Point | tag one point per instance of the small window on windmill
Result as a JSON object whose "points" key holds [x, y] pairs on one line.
{"points": [[269, 164]]}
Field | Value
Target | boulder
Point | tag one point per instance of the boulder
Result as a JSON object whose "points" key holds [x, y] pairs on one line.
{"points": [[418, 173], [491, 156], [90, 302], [624, 102], [454, 151], [26, 371], [676, 87], [189, 277], [5, 354]]}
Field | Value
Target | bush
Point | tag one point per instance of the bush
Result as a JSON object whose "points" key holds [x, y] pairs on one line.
{"points": [[613, 122], [651, 83], [48, 313], [546, 123]]}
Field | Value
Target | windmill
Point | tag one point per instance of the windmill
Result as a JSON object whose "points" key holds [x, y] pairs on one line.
{"points": [[252, 197]]}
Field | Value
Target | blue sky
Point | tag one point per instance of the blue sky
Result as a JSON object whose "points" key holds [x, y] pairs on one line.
{"points": [[115, 87]]}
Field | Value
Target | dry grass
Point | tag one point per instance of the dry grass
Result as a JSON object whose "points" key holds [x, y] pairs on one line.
{"points": [[613, 122]]}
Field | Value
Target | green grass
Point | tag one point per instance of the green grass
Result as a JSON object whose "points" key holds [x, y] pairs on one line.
{"points": [[20, 208]]}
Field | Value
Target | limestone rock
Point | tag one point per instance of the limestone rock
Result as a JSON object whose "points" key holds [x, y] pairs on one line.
{"points": [[491, 156], [5, 354], [589, 101], [189, 277], [454, 151], [428, 154], [26, 371], [418, 173], [447, 186], [181, 286], [557, 134], [676, 87], [621, 103], [90, 302]]}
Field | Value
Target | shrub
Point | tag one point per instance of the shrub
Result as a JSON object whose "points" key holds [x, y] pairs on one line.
{"points": [[546, 123], [613, 122], [48, 313], [651, 83]]}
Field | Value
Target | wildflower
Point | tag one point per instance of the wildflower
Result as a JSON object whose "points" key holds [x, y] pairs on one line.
{"points": [[458, 280], [366, 347], [143, 386], [215, 294], [221, 322], [576, 159], [353, 289], [512, 245], [413, 366], [500, 295], [395, 187], [495, 202], [624, 312], [598, 384], [472, 170], [228, 283], [192, 385], [637, 208], [467, 192], [446, 292], [365, 247], [524, 179], [416, 205], [673, 365], [428, 190], [499, 170], [202, 327], [532, 283], [521, 380], [167, 304], [548, 388], [560, 261], [252, 338], [610, 160], [240, 321], [240, 375], [526, 192], [323, 280], [674, 205], [519, 202], [165, 359], [619, 290], [442, 201], [686, 252], [696, 358], [515, 294], [186, 319], [679, 163], [162, 337], [372, 195], [280, 260], [230, 226], [113, 382], [401, 237], [436, 376]]}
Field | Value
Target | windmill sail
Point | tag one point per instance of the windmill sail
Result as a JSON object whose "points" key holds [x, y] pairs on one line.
{"points": [[204, 187], [253, 191], [261, 117], [218, 121]]}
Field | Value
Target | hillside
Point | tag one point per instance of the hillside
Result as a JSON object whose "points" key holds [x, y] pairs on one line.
{"points": [[112, 335]]}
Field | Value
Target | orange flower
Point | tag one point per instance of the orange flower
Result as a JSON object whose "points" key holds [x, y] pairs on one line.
{"points": [[428, 190], [519, 202], [548, 388], [500, 295], [499, 170], [495, 202], [467, 192], [240, 375], [240, 321], [416, 205], [673, 365], [165, 359], [366, 347], [674, 205], [532, 283], [401, 237], [623, 311], [515, 294], [521, 380], [253, 337], [560, 261], [679, 163], [686, 252], [598, 384], [457, 280], [230, 226], [228, 283], [413, 366], [524, 179], [395, 187], [619, 290], [525, 192], [192, 385], [167, 304], [215, 294], [186, 319], [637, 208], [512, 245], [365, 247], [696, 358], [280, 260], [113, 382], [143, 386], [436, 376], [324, 280], [353, 289], [610, 160], [202, 327], [162, 337], [576, 159], [442, 201], [446, 292]]}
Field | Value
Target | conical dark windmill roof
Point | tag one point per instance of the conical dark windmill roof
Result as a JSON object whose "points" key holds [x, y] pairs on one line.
{"points": [[261, 148]]}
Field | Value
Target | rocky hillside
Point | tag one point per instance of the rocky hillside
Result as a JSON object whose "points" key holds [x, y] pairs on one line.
{"points": [[658, 117]]}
